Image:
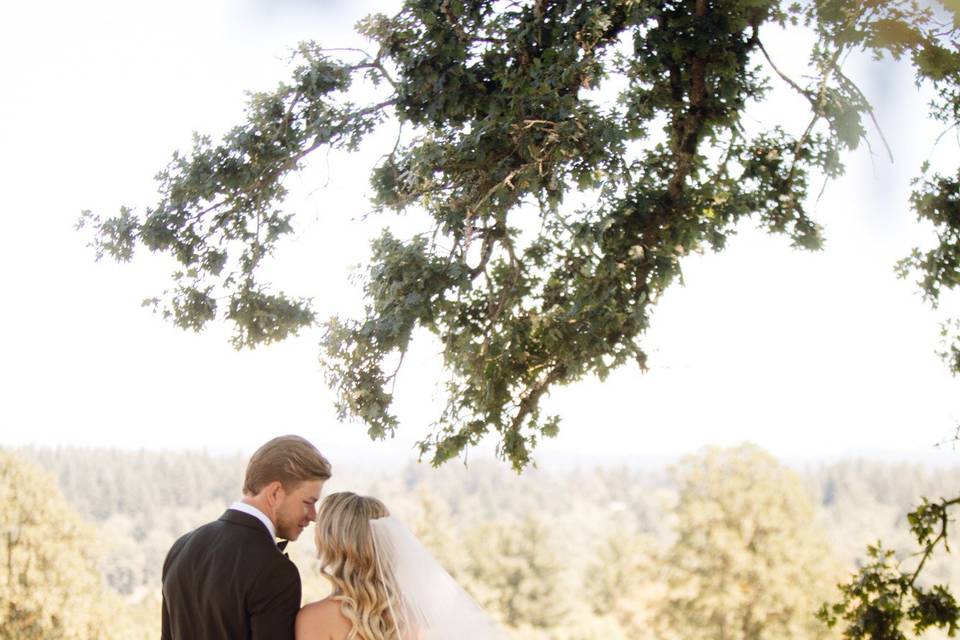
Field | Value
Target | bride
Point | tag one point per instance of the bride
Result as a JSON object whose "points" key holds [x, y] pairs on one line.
{"points": [[386, 585]]}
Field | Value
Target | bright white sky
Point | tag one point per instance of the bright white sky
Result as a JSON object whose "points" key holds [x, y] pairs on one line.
{"points": [[808, 355]]}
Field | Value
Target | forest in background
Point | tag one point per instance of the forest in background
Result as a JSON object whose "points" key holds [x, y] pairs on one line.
{"points": [[727, 543]]}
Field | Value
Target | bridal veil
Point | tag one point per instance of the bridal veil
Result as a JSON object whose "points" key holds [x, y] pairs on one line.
{"points": [[428, 603]]}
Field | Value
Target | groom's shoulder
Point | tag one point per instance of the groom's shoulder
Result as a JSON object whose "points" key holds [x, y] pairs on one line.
{"points": [[232, 533], [201, 535], [200, 532], [230, 525], [185, 539]]}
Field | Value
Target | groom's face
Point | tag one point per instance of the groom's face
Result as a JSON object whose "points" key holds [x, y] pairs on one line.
{"points": [[298, 509]]}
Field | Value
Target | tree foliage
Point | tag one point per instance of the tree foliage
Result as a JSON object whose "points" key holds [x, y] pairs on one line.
{"points": [[623, 583], [509, 108], [749, 562], [519, 580], [50, 586], [884, 600]]}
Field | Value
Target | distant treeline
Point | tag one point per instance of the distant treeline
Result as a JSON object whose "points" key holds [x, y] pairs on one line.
{"points": [[620, 534], [859, 500]]}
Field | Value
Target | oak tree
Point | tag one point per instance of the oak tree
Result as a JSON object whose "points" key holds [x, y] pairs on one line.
{"points": [[508, 109]]}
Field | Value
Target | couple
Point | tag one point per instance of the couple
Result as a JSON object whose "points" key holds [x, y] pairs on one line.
{"points": [[230, 579]]}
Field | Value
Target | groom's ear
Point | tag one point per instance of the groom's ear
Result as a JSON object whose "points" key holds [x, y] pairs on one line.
{"points": [[274, 492]]}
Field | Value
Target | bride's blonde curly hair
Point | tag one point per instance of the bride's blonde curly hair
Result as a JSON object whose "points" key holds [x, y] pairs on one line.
{"points": [[348, 560]]}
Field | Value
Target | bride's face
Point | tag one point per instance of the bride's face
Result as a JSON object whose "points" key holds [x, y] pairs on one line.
{"points": [[298, 509]]}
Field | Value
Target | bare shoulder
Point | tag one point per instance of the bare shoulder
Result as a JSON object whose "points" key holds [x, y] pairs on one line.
{"points": [[322, 620]]}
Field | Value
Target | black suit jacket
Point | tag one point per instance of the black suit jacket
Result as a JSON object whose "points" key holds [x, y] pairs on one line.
{"points": [[228, 580]]}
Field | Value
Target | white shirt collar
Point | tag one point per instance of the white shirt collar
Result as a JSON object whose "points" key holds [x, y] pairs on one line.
{"points": [[243, 507]]}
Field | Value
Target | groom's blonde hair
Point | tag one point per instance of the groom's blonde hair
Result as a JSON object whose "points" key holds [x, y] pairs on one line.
{"points": [[289, 459]]}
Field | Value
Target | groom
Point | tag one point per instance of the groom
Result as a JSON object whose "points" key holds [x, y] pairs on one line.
{"points": [[229, 579]]}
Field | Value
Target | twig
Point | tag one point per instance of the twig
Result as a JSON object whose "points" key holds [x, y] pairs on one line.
{"points": [[851, 84], [472, 212], [928, 551], [530, 398], [292, 160], [784, 76], [453, 22], [393, 376], [937, 141], [353, 49]]}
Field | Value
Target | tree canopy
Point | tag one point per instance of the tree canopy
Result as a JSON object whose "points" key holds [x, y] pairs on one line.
{"points": [[51, 587], [749, 561], [506, 110]]}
